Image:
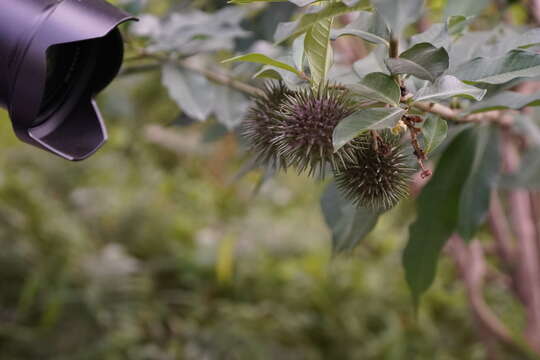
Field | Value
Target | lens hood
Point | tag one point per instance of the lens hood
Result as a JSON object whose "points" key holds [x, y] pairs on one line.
{"points": [[55, 56]]}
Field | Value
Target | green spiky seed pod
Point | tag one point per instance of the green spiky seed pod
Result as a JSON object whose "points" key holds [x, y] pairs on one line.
{"points": [[261, 124], [379, 176], [307, 126]]}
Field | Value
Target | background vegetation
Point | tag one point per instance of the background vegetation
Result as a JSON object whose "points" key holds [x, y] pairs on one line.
{"points": [[155, 249]]}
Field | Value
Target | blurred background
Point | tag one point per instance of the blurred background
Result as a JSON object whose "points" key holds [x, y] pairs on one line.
{"points": [[155, 248]]}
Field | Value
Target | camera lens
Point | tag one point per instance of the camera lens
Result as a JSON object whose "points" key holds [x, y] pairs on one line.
{"points": [[69, 66]]}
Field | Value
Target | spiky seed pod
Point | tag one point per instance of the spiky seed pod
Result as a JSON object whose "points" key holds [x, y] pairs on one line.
{"points": [[261, 124], [379, 175], [308, 122]]}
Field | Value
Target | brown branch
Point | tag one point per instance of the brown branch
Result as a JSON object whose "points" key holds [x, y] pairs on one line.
{"points": [[192, 65], [454, 115], [227, 80], [220, 78], [528, 278], [500, 229], [472, 266]]}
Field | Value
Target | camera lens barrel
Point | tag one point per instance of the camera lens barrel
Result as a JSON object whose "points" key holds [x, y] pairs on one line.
{"points": [[55, 56]]}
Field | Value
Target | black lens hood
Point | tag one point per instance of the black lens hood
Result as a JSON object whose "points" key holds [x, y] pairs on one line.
{"points": [[28, 29]]}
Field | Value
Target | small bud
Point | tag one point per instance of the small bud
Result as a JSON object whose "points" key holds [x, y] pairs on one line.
{"points": [[399, 128]]}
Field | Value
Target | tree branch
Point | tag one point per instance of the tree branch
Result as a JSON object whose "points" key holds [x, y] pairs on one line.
{"points": [[472, 267], [190, 64], [528, 278], [227, 80], [500, 229]]}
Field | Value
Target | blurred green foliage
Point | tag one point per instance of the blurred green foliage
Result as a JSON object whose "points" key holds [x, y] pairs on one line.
{"points": [[151, 251], [146, 253]]}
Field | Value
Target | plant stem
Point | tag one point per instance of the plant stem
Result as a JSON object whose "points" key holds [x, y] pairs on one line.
{"points": [[227, 80]]}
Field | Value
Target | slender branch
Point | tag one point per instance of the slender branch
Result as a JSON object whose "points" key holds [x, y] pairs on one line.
{"points": [[527, 251], [393, 50], [189, 64], [221, 78], [501, 231], [471, 263], [450, 114], [227, 80]]}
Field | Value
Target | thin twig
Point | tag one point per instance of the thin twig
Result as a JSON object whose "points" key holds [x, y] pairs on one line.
{"points": [[227, 80], [500, 229], [217, 77], [527, 250], [472, 266]]}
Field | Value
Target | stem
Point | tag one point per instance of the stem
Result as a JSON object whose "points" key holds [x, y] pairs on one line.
{"points": [[393, 50], [227, 80], [471, 263], [528, 265], [217, 77]]}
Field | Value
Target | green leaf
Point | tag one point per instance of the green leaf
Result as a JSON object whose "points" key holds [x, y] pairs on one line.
{"points": [[262, 59], [441, 34], [399, 13], [364, 120], [348, 223], [374, 62], [368, 26], [318, 50], [476, 195], [378, 87], [193, 93], [457, 24], [302, 2], [243, 2], [423, 60], [293, 29], [298, 52], [506, 100], [434, 132], [447, 87], [271, 72], [437, 214], [436, 34], [528, 175], [465, 7], [230, 107], [296, 2], [515, 64]]}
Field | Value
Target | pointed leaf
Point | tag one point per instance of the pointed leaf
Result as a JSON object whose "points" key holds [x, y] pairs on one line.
{"points": [[193, 93], [437, 214], [423, 60], [447, 87], [378, 87], [434, 132], [374, 62], [318, 50], [465, 7], [262, 59], [515, 64], [230, 107], [368, 26], [399, 13], [293, 29], [364, 120], [476, 195], [506, 100], [298, 52], [348, 223], [528, 175], [243, 2]]}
